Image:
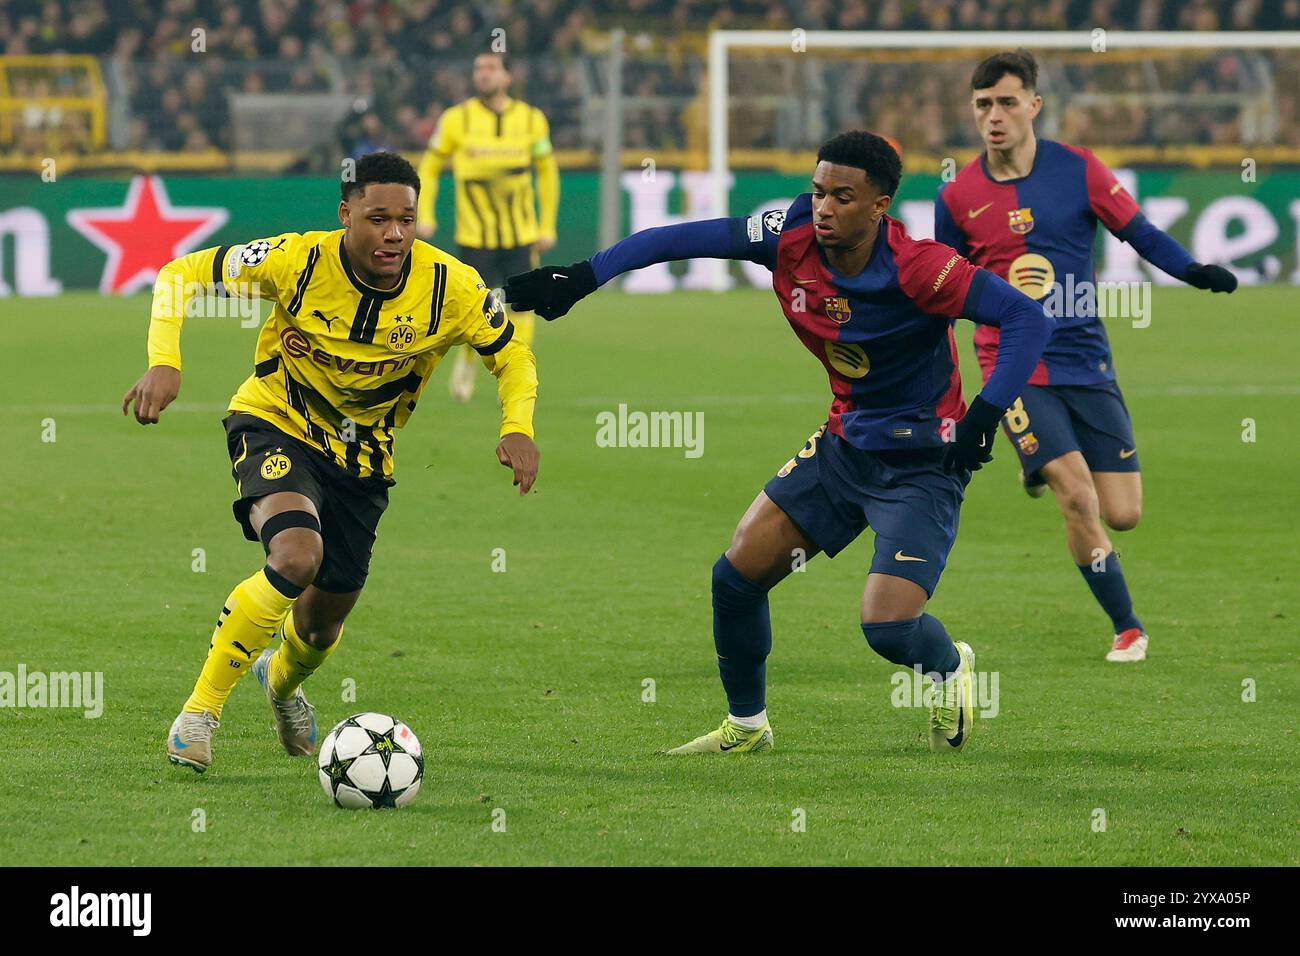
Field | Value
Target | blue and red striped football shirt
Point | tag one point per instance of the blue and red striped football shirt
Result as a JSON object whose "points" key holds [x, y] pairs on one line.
{"points": [[1038, 231], [884, 336]]}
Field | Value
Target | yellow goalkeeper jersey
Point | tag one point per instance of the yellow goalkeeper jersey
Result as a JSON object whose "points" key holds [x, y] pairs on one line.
{"points": [[339, 364], [493, 156]]}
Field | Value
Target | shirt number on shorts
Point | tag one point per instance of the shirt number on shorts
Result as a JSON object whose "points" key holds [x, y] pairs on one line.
{"points": [[1017, 418], [807, 451]]}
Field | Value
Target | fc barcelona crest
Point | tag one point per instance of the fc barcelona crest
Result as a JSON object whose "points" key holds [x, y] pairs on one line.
{"points": [[1022, 220], [837, 308], [1028, 443]]}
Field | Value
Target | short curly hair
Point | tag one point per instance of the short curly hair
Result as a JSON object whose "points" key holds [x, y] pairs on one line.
{"points": [[386, 167], [868, 152]]}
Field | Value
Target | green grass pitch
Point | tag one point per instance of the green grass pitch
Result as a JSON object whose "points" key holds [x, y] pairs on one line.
{"points": [[526, 687]]}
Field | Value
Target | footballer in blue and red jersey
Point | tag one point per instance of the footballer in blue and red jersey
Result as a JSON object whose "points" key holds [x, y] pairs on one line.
{"points": [[875, 309], [1027, 209]]}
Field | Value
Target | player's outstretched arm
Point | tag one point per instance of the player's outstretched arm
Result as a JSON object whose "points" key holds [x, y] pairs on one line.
{"points": [[1025, 328], [252, 270], [515, 368], [552, 291], [1119, 212], [176, 284], [1167, 254], [490, 333]]}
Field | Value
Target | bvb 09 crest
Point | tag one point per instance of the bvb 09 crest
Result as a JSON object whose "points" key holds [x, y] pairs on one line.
{"points": [[276, 466], [403, 335]]}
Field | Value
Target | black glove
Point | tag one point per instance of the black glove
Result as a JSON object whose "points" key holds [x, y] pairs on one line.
{"points": [[972, 440], [550, 291], [1214, 278]]}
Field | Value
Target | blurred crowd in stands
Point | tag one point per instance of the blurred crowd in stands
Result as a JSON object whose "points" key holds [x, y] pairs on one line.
{"points": [[171, 66]]}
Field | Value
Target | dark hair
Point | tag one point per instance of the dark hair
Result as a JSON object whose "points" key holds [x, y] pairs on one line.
{"points": [[868, 152], [384, 167], [500, 54], [1019, 63]]}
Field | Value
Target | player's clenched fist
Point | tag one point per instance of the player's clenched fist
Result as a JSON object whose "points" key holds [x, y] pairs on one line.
{"points": [[972, 441], [551, 291], [156, 389], [520, 453]]}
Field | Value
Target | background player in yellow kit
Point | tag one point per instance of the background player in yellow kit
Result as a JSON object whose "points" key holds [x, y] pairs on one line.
{"points": [[494, 144], [361, 316]]}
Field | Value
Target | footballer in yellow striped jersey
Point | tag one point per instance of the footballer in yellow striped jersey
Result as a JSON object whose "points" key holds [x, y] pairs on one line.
{"points": [[495, 144], [360, 318]]}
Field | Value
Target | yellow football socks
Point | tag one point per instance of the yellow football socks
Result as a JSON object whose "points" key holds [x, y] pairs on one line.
{"points": [[248, 620], [295, 660]]}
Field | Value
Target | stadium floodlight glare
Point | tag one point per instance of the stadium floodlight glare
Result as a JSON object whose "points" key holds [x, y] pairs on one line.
{"points": [[799, 42]]}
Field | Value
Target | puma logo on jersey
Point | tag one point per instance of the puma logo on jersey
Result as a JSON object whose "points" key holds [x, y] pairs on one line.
{"points": [[972, 213], [328, 321]]}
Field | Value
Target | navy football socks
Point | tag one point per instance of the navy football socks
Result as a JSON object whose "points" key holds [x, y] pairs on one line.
{"points": [[1111, 591], [742, 634], [920, 643]]}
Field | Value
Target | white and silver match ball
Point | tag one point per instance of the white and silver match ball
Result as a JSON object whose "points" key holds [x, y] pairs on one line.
{"points": [[371, 761]]}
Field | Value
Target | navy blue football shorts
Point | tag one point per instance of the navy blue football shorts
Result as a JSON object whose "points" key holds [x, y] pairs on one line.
{"points": [[832, 491], [1049, 421]]}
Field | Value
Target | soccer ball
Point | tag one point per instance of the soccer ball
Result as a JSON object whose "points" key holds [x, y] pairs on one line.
{"points": [[371, 761]]}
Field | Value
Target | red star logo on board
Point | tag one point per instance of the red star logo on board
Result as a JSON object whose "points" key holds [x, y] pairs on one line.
{"points": [[144, 234]]}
